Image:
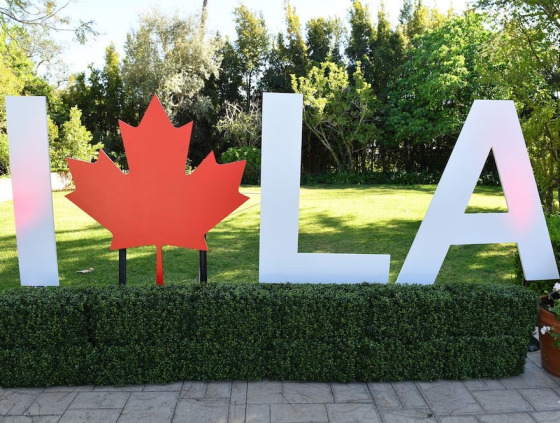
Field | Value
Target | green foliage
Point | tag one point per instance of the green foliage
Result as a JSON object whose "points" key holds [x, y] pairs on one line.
{"points": [[73, 142], [4, 155], [324, 40], [288, 56], [358, 49], [137, 335], [251, 46], [15, 69], [524, 57], [46, 14], [399, 177], [439, 82], [241, 128], [171, 57], [252, 155], [338, 113]]}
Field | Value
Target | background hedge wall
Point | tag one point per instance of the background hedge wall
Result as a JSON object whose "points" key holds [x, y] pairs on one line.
{"points": [[368, 332]]}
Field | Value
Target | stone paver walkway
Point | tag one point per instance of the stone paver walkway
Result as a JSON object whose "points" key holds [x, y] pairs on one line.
{"points": [[532, 397]]}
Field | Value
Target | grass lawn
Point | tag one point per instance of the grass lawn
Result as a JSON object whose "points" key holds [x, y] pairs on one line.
{"points": [[365, 219]]}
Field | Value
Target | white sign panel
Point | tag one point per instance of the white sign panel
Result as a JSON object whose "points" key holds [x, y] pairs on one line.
{"points": [[31, 186], [279, 260], [490, 125]]}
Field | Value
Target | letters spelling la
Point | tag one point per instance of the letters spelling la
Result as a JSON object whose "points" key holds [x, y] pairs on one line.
{"points": [[490, 125]]}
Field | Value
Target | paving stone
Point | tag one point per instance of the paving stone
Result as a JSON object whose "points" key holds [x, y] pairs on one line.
{"points": [[502, 401], [257, 413], [546, 416], [351, 392], [238, 392], [194, 390], [535, 357], [408, 394], [98, 399], [16, 402], [483, 384], [306, 393], [384, 395], [191, 410], [533, 377], [458, 419], [69, 388], [49, 403], [265, 392], [450, 398], [542, 398], [30, 419], [408, 416], [32, 391], [236, 413], [91, 416], [352, 413], [218, 390], [167, 387], [125, 388], [149, 407], [298, 413], [506, 418]]}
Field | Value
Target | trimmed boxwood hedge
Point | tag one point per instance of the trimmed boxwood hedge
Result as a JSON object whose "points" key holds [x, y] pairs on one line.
{"points": [[366, 332]]}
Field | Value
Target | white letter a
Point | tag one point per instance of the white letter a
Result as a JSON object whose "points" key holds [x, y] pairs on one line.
{"points": [[491, 125]]}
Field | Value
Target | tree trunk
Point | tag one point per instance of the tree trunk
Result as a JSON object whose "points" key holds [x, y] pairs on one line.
{"points": [[204, 15]]}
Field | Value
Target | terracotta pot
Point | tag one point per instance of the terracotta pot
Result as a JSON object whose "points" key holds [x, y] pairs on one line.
{"points": [[550, 354]]}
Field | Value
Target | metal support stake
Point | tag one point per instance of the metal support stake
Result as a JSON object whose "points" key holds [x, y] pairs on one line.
{"points": [[122, 266], [202, 266]]}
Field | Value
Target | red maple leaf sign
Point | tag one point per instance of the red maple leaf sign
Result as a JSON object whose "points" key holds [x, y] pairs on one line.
{"points": [[157, 203]]}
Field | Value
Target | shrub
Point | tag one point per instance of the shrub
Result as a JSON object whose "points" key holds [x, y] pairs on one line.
{"points": [[74, 142], [4, 155], [399, 177], [368, 332], [252, 155]]}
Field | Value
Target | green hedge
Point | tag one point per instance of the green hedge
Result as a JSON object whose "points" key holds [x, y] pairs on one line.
{"points": [[400, 177], [252, 156], [368, 332]]}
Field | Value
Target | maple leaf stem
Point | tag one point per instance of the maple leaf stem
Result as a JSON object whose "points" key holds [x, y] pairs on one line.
{"points": [[159, 265]]}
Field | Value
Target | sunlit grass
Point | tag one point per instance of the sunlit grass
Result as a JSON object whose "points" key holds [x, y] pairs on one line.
{"points": [[372, 219]]}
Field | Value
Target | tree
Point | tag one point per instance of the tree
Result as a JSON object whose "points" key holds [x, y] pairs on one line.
{"points": [[361, 36], [252, 46], [45, 14], [15, 70], [287, 57], [387, 55], [525, 58], [241, 128], [338, 113], [439, 82], [226, 87], [294, 49], [388, 49], [74, 142], [113, 101], [18, 77], [417, 18], [170, 57], [324, 40]]}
